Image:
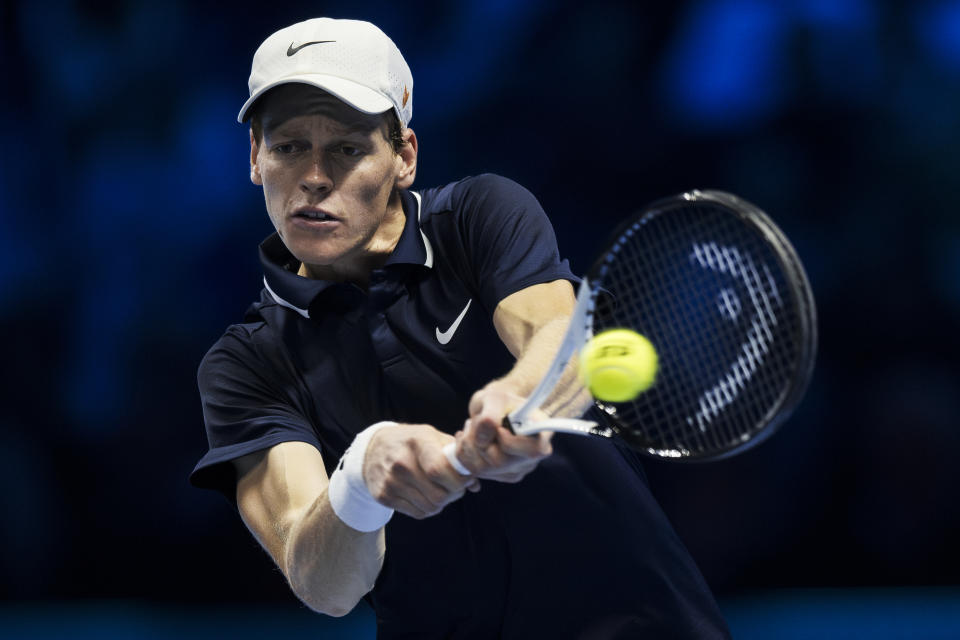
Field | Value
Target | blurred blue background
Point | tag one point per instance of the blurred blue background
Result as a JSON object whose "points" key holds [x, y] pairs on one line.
{"points": [[128, 243]]}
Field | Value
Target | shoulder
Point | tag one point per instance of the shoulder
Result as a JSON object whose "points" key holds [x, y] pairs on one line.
{"points": [[238, 348], [486, 191], [246, 349]]}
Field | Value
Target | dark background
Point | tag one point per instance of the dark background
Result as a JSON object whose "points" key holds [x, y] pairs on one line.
{"points": [[129, 230]]}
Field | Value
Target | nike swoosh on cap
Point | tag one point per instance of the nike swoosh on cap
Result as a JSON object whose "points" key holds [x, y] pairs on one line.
{"points": [[443, 337], [292, 49]]}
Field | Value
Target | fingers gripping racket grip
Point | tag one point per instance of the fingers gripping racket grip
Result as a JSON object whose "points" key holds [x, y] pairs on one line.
{"points": [[450, 451]]}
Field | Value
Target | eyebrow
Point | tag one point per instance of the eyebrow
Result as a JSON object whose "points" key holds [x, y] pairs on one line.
{"points": [[343, 128], [337, 128]]}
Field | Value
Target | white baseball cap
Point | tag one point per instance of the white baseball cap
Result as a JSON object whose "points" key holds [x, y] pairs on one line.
{"points": [[351, 59]]}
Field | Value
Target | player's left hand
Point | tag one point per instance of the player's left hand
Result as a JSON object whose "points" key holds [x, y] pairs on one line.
{"points": [[489, 450]]}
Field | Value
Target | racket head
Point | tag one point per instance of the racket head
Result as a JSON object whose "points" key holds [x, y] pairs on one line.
{"points": [[718, 289]]}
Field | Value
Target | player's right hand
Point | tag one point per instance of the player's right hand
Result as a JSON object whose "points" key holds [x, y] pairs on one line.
{"points": [[492, 452], [405, 469]]}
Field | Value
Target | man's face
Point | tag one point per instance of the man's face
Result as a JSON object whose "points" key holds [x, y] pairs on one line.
{"points": [[328, 179]]}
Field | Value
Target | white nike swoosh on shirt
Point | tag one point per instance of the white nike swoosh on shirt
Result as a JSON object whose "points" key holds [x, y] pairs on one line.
{"points": [[443, 337]]}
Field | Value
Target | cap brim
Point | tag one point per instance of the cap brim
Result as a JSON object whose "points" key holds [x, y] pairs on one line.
{"points": [[357, 96]]}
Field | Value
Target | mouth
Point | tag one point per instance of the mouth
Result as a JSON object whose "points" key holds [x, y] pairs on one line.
{"points": [[314, 220], [314, 215]]}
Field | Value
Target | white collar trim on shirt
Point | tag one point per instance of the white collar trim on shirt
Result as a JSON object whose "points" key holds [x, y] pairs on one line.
{"points": [[284, 303], [426, 243]]}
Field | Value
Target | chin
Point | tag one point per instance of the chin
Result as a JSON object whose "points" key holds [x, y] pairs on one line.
{"points": [[311, 256]]}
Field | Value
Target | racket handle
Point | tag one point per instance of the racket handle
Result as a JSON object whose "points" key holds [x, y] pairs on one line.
{"points": [[450, 450]]}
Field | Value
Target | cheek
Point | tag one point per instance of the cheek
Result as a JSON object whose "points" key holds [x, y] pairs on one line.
{"points": [[274, 179], [273, 193], [379, 183]]}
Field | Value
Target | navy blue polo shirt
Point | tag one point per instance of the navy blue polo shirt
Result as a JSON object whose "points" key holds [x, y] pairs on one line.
{"points": [[578, 547]]}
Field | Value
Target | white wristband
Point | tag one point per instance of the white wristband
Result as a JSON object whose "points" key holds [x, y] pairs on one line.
{"points": [[450, 450], [348, 492]]}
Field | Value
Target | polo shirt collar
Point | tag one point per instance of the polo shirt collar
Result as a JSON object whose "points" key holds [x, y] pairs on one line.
{"points": [[413, 247], [296, 292]]}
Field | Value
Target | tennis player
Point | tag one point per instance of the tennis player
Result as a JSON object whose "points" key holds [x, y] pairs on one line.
{"points": [[391, 323]]}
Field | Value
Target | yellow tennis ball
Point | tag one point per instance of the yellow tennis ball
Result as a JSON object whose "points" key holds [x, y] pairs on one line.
{"points": [[617, 364]]}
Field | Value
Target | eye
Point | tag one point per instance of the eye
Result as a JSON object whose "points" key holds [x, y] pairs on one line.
{"points": [[287, 148], [350, 151]]}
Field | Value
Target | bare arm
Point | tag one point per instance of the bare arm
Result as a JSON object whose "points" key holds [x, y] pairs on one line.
{"points": [[532, 323], [282, 496]]}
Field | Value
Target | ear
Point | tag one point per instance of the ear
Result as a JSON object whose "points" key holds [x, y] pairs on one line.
{"points": [[408, 158], [255, 161]]}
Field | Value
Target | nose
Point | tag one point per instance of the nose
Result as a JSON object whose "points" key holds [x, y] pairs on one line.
{"points": [[317, 177]]}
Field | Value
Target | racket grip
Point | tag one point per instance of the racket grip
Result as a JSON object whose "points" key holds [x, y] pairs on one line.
{"points": [[450, 450]]}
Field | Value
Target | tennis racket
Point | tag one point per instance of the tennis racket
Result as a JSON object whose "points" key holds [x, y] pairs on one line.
{"points": [[719, 291]]}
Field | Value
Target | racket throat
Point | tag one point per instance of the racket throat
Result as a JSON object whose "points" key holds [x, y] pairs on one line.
{"points": [[563, 425]]}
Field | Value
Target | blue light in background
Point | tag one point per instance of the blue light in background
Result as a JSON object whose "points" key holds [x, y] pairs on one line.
{"points": [[841, 46], [453, 65], [18, 256], [77, 77], [938, 30], [734, 63], [209, 162], [95, 59], [874, 614], [724, 69], [142, 204], [843, 14], [97, 389]]}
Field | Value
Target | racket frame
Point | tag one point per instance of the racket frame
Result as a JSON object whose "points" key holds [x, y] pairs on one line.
{"points": [[580, 331]]}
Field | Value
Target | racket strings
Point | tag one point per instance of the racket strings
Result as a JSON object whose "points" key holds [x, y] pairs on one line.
{"points": [[635, 266], [711, 294]]}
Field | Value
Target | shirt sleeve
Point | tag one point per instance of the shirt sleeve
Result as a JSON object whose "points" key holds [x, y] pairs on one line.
{"points": [[511, 243], [251, 401]]}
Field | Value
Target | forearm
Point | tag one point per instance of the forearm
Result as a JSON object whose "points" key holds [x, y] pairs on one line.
{"points": [[328, 559], [536, 356], [329, 565], [283, 499], [568, 399], [532, 324]]}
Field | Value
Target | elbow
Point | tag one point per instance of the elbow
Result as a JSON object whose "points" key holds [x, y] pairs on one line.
{"points": [[336, 604], [327, 594], [337, 611], [333, 609], [332, 578]]}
